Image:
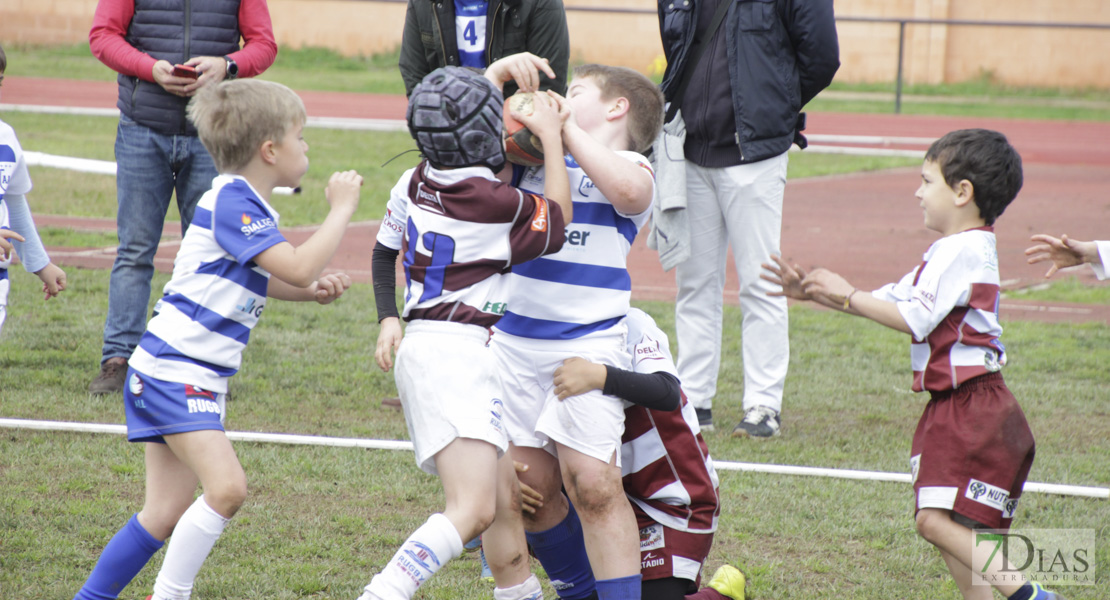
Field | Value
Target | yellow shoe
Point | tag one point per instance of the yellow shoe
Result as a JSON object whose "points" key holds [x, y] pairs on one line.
{"points": [[729, 581]]}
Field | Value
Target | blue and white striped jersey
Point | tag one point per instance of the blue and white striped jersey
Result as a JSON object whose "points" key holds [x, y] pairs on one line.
{"points": [[470, 32], [584, 288], [14, 178], [217, 293]]}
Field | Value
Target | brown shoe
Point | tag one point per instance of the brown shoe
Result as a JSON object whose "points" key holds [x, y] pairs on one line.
{"points": [[392, 402], [113, 374]]}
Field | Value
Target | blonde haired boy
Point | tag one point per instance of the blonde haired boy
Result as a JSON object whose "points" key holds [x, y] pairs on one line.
{"points": [[231, 259], [572, 304]]}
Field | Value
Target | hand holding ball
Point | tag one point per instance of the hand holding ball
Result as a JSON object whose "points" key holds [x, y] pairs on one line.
{"points": [[521, 146]]}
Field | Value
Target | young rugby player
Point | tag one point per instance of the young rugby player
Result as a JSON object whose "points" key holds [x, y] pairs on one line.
{"points": [[231, 259], [459, 229], [973, 448]]}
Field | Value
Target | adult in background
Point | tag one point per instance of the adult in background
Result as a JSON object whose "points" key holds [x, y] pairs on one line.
{"points": [[158, 153], [477, 33], [778, 54]]}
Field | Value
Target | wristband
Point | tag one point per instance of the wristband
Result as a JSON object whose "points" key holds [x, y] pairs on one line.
{"points": [[848, 298]]}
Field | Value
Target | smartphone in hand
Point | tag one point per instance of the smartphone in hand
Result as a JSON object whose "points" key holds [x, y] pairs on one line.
{"points": [[184, 71]]}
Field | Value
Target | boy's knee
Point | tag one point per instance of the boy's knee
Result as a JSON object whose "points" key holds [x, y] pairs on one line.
{"points": [[595, 491], [226, 499], [928, 521]]}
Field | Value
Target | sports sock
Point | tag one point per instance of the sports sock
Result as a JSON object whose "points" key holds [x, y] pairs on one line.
{"points": [[562, 552], [1031, 591], [619, 588], [125, 555], [529, 590], [192, 540], [430, 547]]}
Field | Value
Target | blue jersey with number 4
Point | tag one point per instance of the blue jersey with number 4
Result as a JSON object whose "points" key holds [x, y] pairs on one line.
{"points": [[470, 32]]}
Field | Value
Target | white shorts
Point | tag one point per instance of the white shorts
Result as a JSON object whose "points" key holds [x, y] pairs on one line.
{"points": [[591, 423], [447, 378]]}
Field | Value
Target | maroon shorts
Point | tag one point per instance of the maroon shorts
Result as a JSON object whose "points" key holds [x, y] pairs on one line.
{"points": [[666, 552], [972, 452]]}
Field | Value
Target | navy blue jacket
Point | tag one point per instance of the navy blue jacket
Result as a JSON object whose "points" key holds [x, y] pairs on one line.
{"points": [[778, 55], [174, 30]]}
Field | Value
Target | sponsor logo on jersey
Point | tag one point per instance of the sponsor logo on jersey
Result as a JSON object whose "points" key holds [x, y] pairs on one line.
{"points": [[585, 186], [915, 466], [539, 223], [651, 560], [495, 308], [392, 223], [428, 200], [577, 238], [200, 405], [651, 538], [1010, 508], [251, 307], [496, 409], [135, 384], [251, 226], [648, 349], [987, 494]]}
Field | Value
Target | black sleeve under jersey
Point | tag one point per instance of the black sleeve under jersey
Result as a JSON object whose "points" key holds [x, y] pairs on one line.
{"points": [[657, 391], [383, 265]]}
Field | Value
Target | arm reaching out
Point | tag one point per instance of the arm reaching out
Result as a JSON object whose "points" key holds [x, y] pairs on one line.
{"points": [[1063, 252]]}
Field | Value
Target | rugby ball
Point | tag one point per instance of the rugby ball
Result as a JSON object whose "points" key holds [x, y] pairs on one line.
{"points": [[521, 146]]}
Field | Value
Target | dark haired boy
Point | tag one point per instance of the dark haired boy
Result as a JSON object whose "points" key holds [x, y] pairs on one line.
{"points": [[973, 448]]}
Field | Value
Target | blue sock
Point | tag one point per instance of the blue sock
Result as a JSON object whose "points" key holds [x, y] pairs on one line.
{"points": [[562, 552], [621, 588], [122, 559], [1031, 591]]}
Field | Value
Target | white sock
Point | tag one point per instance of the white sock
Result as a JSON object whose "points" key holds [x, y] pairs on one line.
{"points": [[430, 547], [190, 543], [529, 590]]}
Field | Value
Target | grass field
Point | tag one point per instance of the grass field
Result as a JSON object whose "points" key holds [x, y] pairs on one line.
{"points": [[321, 521]]}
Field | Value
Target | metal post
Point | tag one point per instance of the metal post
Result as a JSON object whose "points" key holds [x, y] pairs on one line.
{"points": [[901, 54]]}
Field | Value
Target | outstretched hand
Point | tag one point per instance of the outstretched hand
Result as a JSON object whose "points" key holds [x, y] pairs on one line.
{"points": [[786, 275], [1063, 252]]}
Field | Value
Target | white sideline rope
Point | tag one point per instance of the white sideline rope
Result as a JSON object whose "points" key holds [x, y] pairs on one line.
{"points": [[314, 440], [89, 165]]}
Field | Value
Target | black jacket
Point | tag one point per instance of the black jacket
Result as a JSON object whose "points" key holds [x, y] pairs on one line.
{"points": [[174, 30], [512, 26], [778, 55]]}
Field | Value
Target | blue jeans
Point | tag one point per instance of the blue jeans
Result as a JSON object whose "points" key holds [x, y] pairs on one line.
{"points": [[151, 167]]}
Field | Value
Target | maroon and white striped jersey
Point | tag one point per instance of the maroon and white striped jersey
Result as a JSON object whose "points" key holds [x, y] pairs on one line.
{"points": [[668, 473], [459, 232], [950, 302]]}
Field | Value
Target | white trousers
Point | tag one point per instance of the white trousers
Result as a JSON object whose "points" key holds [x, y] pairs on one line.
{"points": [[741, 207]]}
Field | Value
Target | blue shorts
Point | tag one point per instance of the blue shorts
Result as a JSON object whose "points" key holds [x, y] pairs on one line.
{"points": [[155, 408]]}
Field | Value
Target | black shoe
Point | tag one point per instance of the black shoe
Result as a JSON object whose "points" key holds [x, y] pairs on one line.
{"points": [[759, 422], [705, 418]]}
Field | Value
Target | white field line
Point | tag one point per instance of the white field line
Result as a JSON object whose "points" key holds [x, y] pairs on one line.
{"points": [[314, 440]]}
